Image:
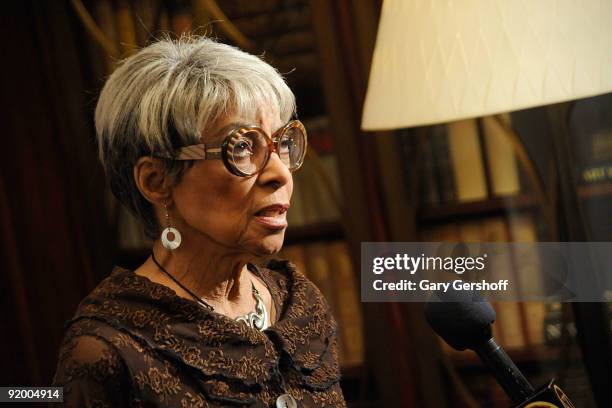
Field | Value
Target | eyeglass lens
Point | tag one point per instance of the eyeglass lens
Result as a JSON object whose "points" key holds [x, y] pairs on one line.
{"points": [[249, 151], [291, 147]]}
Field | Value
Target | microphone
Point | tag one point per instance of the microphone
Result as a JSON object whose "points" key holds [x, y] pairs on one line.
{"points": [[463, 319], [464, 322]]}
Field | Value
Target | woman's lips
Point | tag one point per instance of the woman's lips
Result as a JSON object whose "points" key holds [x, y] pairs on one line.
{"points": [[273, 216], [276, 222]]}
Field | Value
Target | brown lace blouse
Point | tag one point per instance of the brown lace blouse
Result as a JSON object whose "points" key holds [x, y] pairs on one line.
{"points": [[133, 342]]}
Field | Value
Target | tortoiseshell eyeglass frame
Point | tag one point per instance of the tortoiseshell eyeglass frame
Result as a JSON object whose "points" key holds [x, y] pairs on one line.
{"points": [[221, 150]]}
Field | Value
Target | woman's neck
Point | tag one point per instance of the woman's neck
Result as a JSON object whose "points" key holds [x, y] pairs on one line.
{"points": [[219, 278]]}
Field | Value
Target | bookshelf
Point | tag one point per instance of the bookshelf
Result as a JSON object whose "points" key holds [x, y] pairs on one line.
{"points": [[541, 338], [595, 191], [401, 185], [475, 209]]}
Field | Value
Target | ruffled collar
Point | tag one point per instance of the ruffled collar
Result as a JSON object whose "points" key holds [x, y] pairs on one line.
{"points": [[216, 345]]}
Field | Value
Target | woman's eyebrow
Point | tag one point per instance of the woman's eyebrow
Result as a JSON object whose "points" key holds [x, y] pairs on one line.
{"points": [[220, 134]]}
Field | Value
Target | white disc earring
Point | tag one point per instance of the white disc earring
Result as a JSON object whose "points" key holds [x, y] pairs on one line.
{"points": [[170, 237]]}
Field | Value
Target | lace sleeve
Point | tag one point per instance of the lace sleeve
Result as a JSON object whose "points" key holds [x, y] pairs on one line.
{"points": [[92, 374]]}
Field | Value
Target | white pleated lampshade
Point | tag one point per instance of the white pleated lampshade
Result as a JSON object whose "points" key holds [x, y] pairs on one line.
{"points": [[437, 61]]}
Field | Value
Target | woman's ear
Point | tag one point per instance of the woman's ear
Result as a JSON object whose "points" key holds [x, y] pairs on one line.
{"points": [[151, 180]]}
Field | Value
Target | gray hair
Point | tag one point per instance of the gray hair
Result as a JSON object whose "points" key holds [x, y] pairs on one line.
{"points": [[168, 94]]}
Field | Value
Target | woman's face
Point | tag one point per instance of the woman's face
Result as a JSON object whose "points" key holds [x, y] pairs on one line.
{"points": [[242, 214]]}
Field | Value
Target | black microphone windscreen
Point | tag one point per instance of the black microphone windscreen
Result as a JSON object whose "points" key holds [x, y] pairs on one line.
{"points": [[462, 318]]}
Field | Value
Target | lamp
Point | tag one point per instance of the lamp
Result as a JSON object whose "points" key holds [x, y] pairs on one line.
{"points": [[437, 61]]}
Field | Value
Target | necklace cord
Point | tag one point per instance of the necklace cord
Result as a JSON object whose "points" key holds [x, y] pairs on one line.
{"points": [[193, 295]]}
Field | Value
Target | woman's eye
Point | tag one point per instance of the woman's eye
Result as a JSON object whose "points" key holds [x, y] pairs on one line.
{"points": [[243, 148], [286, 145]]}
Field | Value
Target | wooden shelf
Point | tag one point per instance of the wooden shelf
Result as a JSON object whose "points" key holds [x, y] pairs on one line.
{"points": [[589, 191], [458, 211], [325, 231], [534, 354], [475, 209]]}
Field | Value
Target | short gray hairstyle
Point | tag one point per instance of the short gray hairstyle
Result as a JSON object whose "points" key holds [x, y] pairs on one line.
{"points": [[164, 97]]}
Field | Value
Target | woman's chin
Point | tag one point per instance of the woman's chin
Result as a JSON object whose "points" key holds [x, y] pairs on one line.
{"points": [[271, 244]]}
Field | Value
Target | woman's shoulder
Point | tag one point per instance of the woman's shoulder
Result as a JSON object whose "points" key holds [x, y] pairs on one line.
{"points": [[286, 277], [87, 353], [111, 316], [91, 370]]}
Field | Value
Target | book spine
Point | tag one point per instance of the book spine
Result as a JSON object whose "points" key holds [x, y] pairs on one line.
{"points": [[443, 233], [595, 173], [466, 159], [443, 168], [307, 195], [295, 255], [406, 144], [295, 215], [348, 307], [104, 16], [509, 313], [522, 229], [503, 168], [125, 27], [429, 189]]}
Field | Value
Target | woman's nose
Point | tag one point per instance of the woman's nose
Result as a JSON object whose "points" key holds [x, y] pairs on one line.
{"points": [[274, 172]]}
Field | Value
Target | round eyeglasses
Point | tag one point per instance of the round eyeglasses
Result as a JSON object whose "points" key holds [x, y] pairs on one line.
{"points": [[247, 149]]}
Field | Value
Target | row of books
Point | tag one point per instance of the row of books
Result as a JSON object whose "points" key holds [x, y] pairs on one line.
{"points": [[328, 265], [556, 326], [467, 160], [591, 139], [474, 159], [519, 324]]}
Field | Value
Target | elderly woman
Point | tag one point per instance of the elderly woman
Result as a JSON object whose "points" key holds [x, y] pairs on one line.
{"points": [[197, 140]]}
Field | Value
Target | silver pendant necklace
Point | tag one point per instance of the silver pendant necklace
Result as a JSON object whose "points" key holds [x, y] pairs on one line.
{"points": [[259, 318]]}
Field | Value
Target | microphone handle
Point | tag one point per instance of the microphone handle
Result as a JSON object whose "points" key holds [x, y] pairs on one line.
{"points": [[505, 371]]}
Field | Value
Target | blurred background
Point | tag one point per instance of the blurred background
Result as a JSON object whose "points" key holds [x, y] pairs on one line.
{"points": [[541, 174]]}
